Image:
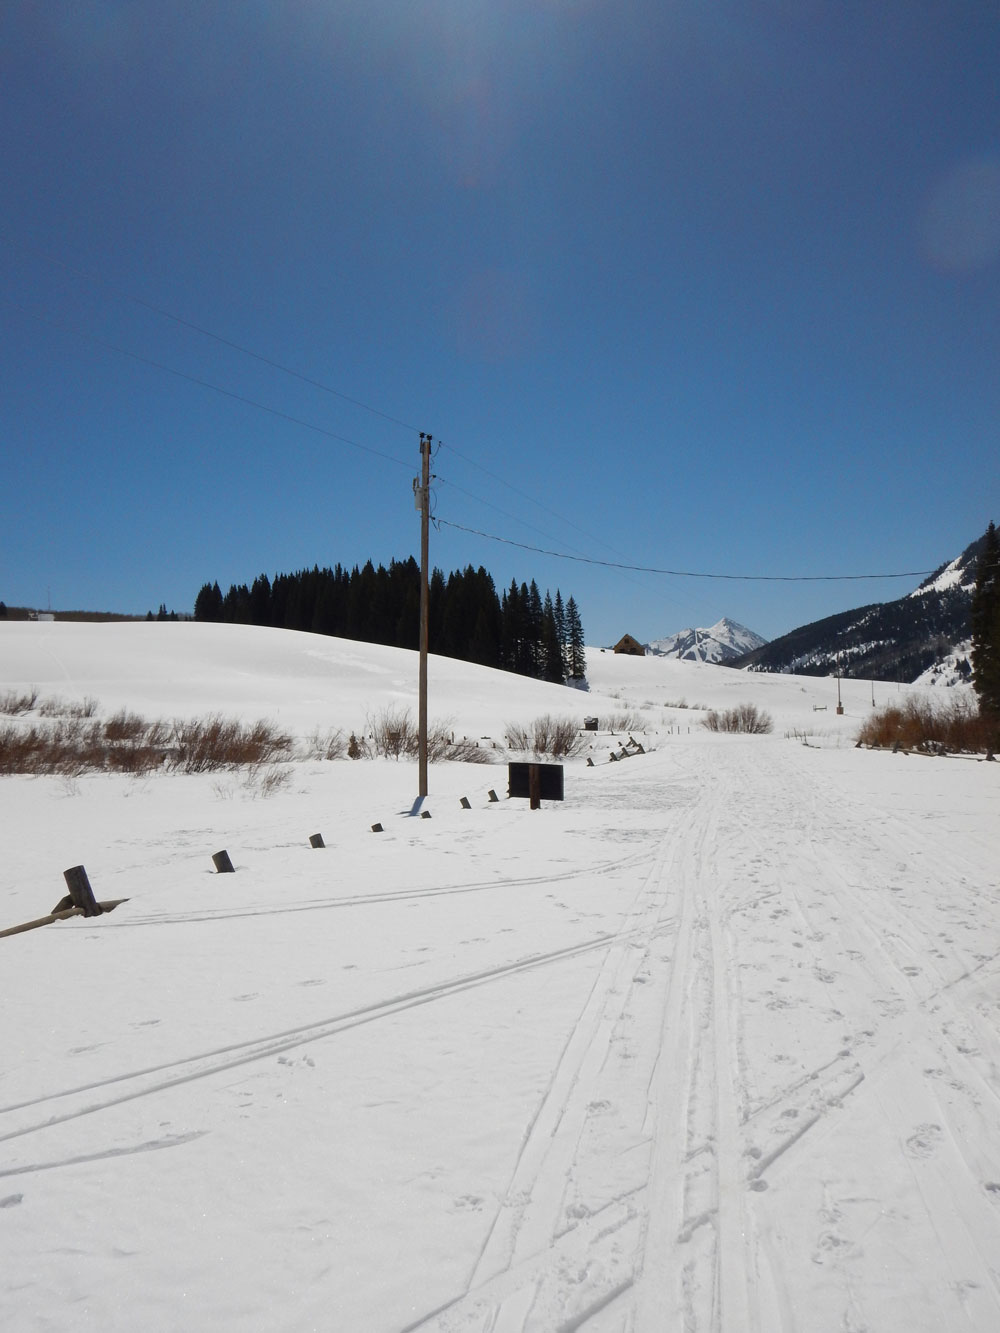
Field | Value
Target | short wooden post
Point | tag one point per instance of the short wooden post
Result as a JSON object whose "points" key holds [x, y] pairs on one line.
{"points": [[316, 840], [466, 803], [377, 828], [425, 814], [534, 786], [492, 795], [80, 891], [223, 864]]}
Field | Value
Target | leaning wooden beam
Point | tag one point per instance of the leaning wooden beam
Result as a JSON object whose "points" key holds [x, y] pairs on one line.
{"points": [[59, 916]]}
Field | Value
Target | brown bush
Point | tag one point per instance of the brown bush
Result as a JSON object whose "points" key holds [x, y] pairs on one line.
{"points": [[209, 744], [559, 737], [56, 707], [441, 744], [14, 704], [954, 724], [745, 717], [124, 726]]}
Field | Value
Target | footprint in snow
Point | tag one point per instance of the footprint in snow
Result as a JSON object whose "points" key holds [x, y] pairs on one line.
{"points": [[923, 1143], [12, 1200], [473, 1202]]}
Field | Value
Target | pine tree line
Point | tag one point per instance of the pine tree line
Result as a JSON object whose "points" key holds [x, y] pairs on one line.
{"points": [[520, 631]]}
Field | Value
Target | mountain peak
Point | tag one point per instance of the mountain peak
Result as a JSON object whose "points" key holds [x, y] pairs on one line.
{"points": [[721, 642]]}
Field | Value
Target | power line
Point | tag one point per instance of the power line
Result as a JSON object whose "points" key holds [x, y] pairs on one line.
{"points": [[524, 496], [490, 505], [685, 573], [207, 333], [205, 384]]}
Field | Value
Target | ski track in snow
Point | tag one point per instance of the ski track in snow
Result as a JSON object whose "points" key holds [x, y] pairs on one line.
{"points": [[774, 1099], [640, 1195]]}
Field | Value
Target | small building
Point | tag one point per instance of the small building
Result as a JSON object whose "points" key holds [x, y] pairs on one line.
{"points": [[631, 647]]}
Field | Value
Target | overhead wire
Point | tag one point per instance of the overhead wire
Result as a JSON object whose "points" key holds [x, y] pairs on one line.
{"points": [[100, 280], [308, 425], [684, 573], [208, 333], [205, 384]]}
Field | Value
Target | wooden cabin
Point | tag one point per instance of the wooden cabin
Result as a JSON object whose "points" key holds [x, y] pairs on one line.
{"points": [[632, 647]]}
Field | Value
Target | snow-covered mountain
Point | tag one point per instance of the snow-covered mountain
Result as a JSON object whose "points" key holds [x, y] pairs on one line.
{"points": [[922, 636], [723, 642]]}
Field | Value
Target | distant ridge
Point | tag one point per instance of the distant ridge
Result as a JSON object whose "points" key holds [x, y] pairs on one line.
{"points": [[922, 636], [723, 642]]}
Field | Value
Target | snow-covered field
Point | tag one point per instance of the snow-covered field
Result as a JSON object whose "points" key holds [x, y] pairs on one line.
{"points": [[713, 1045]]}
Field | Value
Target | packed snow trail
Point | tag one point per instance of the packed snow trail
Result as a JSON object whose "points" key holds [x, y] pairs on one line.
{"points": [[696, 1160]]}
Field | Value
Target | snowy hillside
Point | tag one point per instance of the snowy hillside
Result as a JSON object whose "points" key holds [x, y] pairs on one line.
{"points": [[722, 642], [920, 637], [713, 1044]]}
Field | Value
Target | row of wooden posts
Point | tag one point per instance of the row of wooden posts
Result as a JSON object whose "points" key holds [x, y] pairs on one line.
{"points": [[80, 900], [223, 864]]}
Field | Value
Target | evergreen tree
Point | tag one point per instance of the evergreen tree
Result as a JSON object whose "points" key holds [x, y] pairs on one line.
{"points": [[574, 634], [208, 603], [533, 641], [467, 620], [551, 652], [986, 626], [511, 628], [260, 601], [559, 612]]}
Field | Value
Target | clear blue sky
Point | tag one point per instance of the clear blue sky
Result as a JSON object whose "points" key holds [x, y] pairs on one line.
{"points": [[718, 284]]}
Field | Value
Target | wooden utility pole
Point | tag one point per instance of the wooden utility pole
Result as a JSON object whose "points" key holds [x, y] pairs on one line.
{"points": [[421, 491]]}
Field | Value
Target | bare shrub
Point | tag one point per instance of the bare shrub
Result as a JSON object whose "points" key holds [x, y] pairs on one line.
{"points": [[14, 704], [329, 744], [442, 745], [559, 737], [626, 721], [929, 725], [392, 733], [18, 749], [124, 726], [208, 744], [745, 717], [267, 780], [127, 743], [56, 707]]}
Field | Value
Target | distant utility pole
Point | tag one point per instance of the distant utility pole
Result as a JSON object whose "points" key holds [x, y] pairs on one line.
{"points": [[421, 493]]}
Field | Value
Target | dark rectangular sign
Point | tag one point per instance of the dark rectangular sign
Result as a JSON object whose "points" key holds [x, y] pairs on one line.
{"points": [[550, 780]]}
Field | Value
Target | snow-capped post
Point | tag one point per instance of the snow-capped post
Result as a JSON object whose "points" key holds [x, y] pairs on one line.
{"points": [[316, 840], [223, 864]]}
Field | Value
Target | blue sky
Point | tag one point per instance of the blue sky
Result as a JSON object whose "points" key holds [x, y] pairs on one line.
{"points": [[699, 286]]}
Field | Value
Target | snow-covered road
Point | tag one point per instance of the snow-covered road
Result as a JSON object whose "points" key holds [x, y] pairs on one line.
{"points": [[712, 1046]]}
